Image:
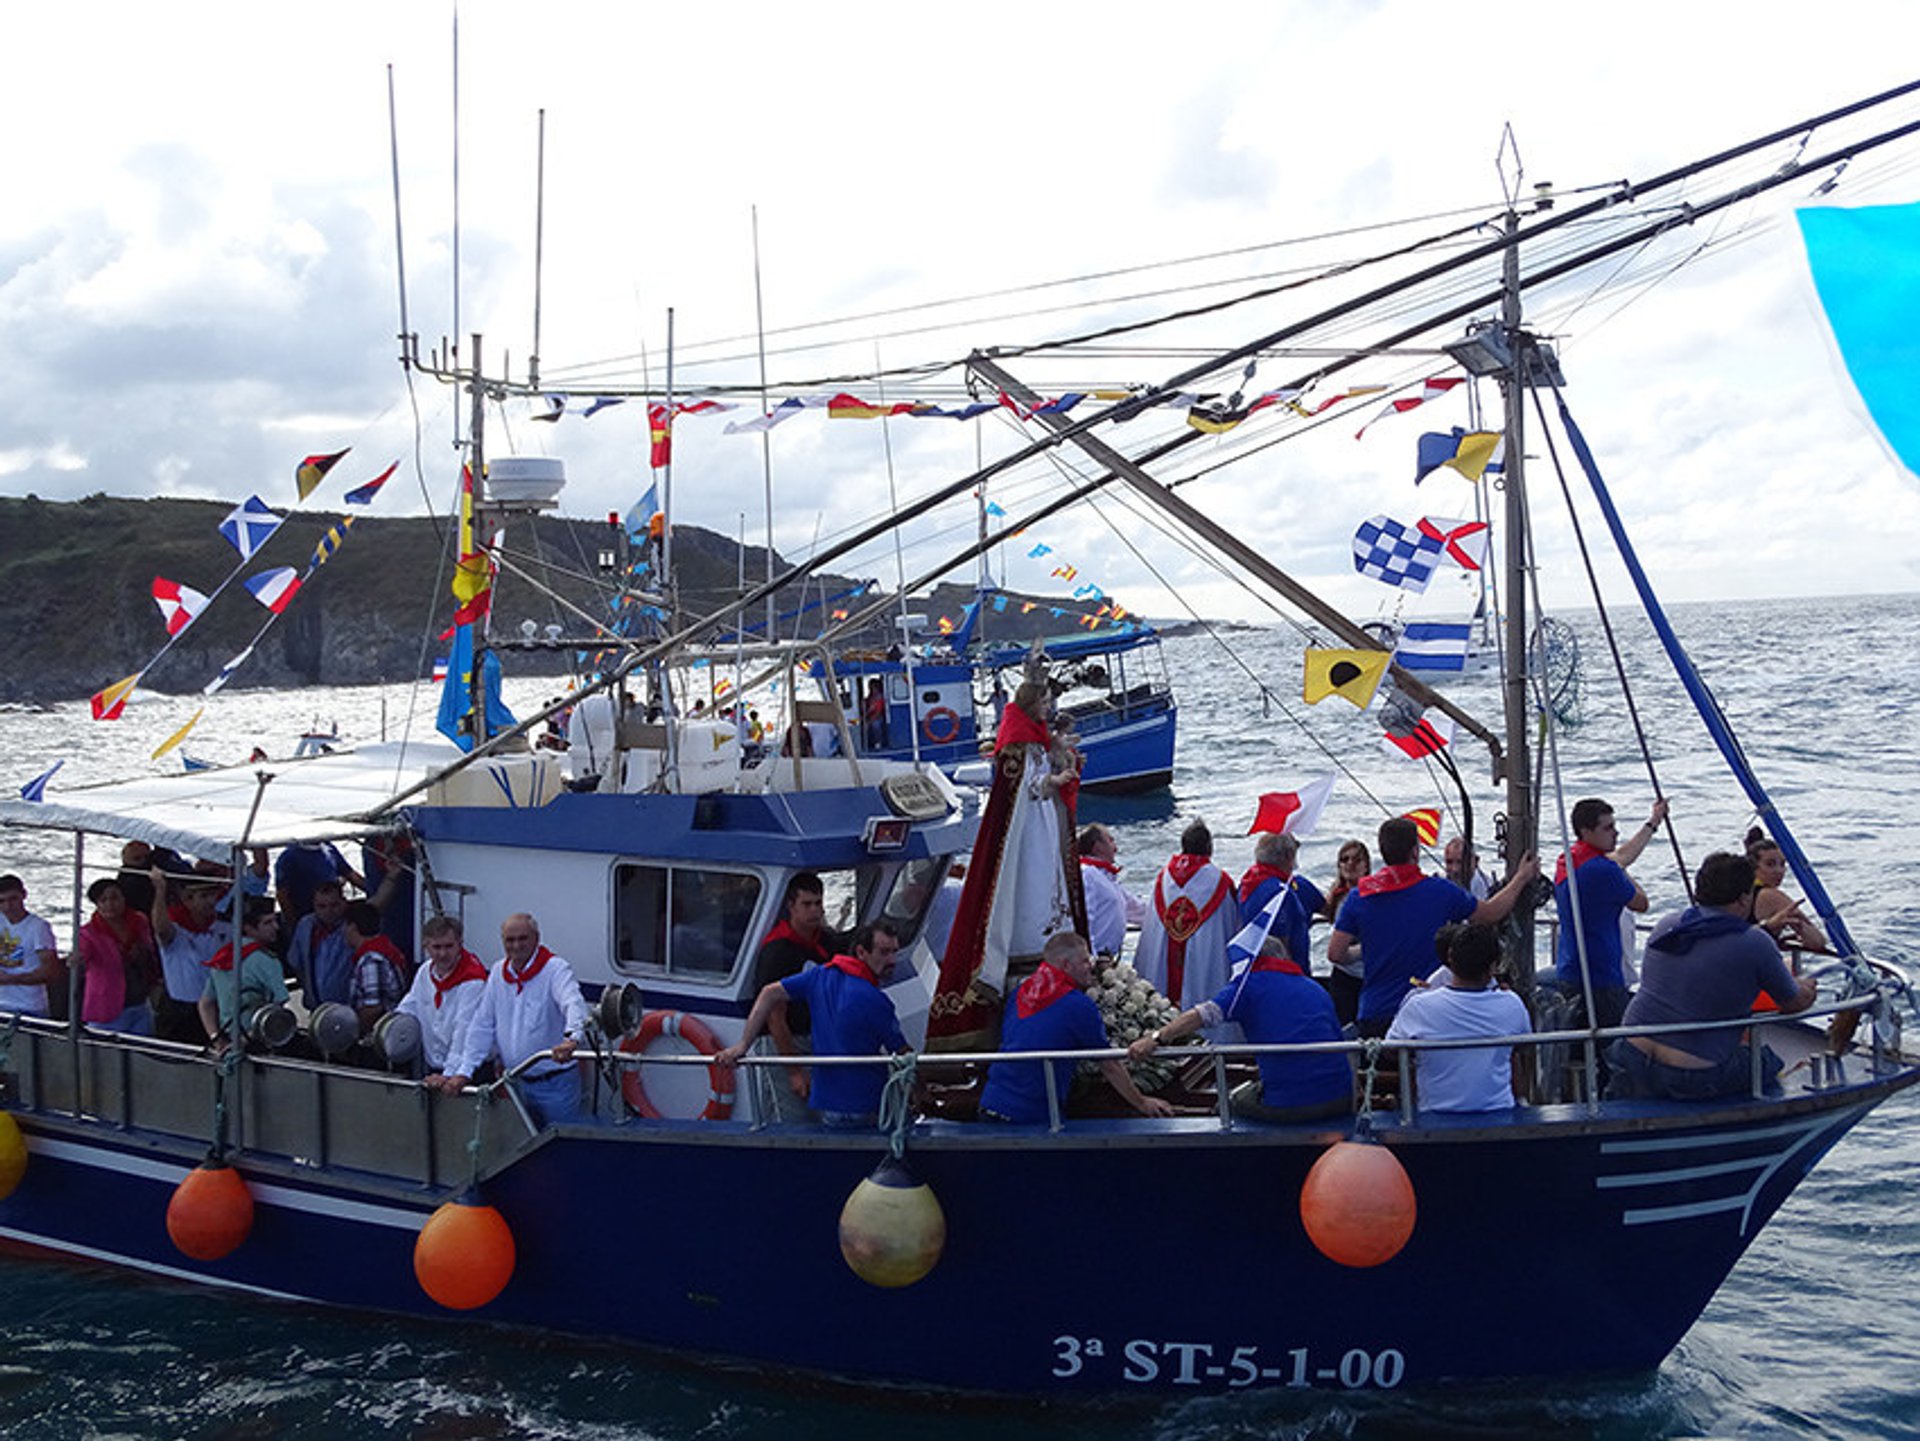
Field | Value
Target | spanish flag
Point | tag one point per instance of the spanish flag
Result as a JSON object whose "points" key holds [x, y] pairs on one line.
{"points": [[1353, 675]]}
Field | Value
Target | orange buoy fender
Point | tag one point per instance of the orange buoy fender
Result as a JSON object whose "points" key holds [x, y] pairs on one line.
{"points": [[892, 1229], [1358, 1204], [13, 1154], [696, 1033], [463, 1256], [211, 1212]]}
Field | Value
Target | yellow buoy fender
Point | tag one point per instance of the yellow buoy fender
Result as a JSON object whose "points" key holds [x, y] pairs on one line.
{"points": [[1358, 1204], [464, 1255], [13, 1154], [892, 1229], [211, 1212]]}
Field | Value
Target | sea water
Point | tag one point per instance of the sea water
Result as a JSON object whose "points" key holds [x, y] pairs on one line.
{"points": [[1815, 1333]]}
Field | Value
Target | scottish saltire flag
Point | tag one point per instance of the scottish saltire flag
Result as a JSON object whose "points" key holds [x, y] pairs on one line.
{"points": [[248, 525], [36, 789], [330, 542], [275, 589], [178, 603], [1866, 270], [1434, 645], [1471, 452], [308, 474], [363, 495], [1396, 554]]}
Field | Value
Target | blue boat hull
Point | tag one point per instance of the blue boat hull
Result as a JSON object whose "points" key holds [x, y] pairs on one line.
{"points": [[1118, 1257]]}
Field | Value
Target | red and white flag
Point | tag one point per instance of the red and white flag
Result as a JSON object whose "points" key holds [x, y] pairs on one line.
{"points": [[1292, 813], [1428, 736], [1429, 390], [178, 603], [275, 589]]}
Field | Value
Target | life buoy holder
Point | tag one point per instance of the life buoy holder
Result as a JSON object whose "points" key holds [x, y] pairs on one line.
{"points": [[696, 1033], [941, 725]]}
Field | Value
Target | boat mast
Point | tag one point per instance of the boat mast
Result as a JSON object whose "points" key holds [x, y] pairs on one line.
{"points": [[480, 625], [1520, 819]]}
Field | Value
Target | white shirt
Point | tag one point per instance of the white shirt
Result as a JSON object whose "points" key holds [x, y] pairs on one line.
{"points": [[22, 944], [1479, 1079], [1109, 907], [516, 1023], [443, 1027]]}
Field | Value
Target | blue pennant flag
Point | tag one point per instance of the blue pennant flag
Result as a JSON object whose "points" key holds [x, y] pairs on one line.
{"points": [[456, 695], [36, 789], [1866, 270]]}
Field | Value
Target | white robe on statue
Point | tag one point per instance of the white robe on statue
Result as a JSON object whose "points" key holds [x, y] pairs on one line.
{"points": [[1030, 899]]}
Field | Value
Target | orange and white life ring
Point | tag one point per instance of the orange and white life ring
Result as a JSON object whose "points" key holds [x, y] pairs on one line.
{"points": [[940, 725], [695, 1032]]}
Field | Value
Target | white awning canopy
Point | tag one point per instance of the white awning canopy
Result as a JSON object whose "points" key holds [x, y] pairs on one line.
{"points": [[207, 813]]}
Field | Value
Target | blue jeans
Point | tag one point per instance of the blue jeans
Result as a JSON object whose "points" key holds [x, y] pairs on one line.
{"points": [[552, 1098], [1635, 1074]]}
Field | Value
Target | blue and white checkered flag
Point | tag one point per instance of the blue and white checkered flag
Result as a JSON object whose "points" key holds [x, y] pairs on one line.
{"points": [[1402, 555]]}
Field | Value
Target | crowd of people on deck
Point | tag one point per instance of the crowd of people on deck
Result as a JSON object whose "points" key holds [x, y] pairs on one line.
{"points": [[1412, 957]]}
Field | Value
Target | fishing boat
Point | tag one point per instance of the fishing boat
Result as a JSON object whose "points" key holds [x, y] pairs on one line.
{"points": [[690, 1216], [941, 701]]}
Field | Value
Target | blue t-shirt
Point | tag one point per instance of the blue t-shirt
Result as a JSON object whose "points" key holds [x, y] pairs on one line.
{"points": [[1018, 1089], [1297, 911], [1275, 1008], [1605, 890], [324, 964], [851, 1017], [1396, 930], [298, 869]]}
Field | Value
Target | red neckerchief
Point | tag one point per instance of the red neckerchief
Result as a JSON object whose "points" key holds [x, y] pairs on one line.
{"points": [[1184, 867], [1277, 963], [1018, 728], [381, 946], [1041, 989], [467, 968], [785, 932], [222, 959], [519, 979], [1250, 882], [1582, 853], [1389, 879], [178, 913], [1099, 865], [853, 966]]}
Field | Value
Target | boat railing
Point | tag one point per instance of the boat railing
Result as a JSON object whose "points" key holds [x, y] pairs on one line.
{"points": [[1824, 1070]]}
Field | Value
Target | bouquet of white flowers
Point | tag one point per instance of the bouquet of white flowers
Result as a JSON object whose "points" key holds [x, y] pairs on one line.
{"points": [[1132, 1008]]}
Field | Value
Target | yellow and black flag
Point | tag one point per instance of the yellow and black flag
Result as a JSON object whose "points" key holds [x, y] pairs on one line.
{"points": [[1353, 675]]}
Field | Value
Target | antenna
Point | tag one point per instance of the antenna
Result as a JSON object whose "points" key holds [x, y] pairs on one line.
{"points": [[399, 246], [539, 233]]}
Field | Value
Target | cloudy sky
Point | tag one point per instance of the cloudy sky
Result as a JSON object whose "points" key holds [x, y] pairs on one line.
{"points": [[198, 273]]}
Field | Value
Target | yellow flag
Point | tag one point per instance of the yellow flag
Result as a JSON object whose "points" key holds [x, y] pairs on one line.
{"points": [[173, 740], [1353, 675]]}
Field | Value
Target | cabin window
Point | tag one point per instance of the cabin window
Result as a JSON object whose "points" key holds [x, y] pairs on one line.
{"points": [[911, 895], [682, 920]]}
